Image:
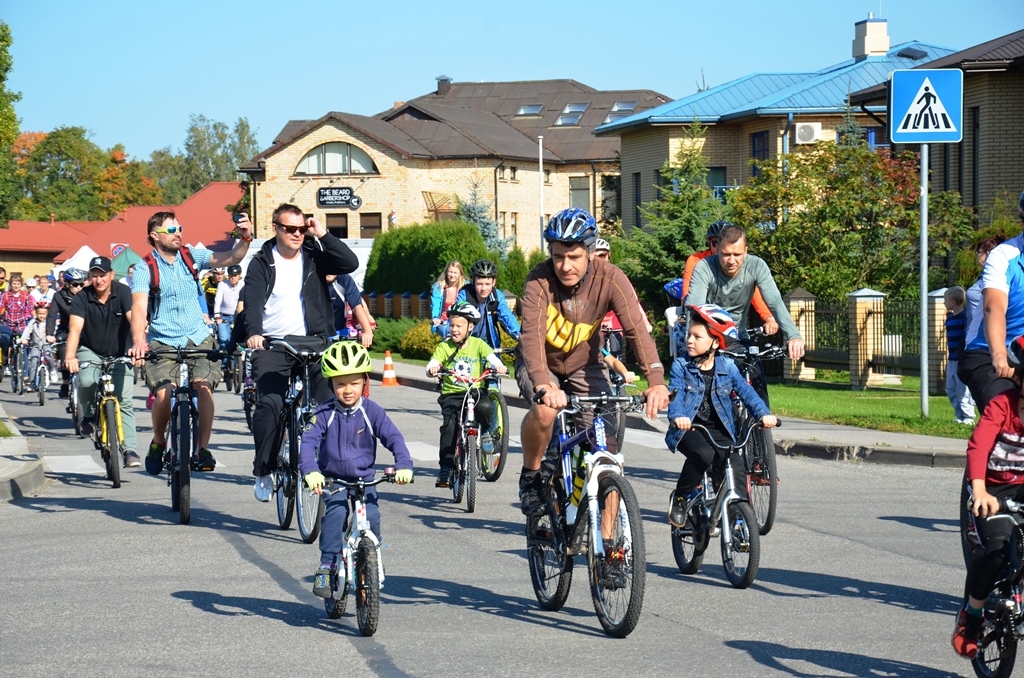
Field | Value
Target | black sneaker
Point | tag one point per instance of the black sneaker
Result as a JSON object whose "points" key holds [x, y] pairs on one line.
{"points": [[444, 477], [155, 459], [89, 426], [63, 392], [322, 582], [204, 460], [677, 510], [531, 494]]}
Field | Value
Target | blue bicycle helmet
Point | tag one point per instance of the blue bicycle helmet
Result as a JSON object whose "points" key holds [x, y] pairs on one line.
{"points": [[572, 225], [74, 275], [674, 288]]}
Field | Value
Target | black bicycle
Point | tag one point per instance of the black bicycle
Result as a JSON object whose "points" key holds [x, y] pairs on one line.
{"points": [[180, 459], [16, 364], [296, 419], [762, 469]]}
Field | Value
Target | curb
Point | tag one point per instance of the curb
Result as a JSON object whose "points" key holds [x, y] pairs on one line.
{"points": [[27, 474]]}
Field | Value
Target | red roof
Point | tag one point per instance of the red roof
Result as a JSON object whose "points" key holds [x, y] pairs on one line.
{"points": [[203, 215], [43, 236]]}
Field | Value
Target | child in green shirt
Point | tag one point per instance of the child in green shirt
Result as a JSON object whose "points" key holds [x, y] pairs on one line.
{"points": [[464, 355]]}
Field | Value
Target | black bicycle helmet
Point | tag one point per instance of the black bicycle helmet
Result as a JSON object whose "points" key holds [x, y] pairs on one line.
{"points": [[1015, 354], [572, 225], [73, 275], [484, 268], [715, 229], [465, 310]]}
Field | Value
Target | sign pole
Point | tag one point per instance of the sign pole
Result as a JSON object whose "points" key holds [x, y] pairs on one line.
{"points": [[924, 280], [540, 172]]}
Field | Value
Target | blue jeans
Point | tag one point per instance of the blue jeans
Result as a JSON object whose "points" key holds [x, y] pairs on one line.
{"points": [[332, 529], [5, 340], [224, 334]]}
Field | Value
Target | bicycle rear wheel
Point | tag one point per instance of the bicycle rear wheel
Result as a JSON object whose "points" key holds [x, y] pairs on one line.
{"points": [[617, 579], [236, 369], [550, 567], [335, 605], [764, 479], [247, 405], [14, 369], [73, 404], [367, 589], [310, 509], [689, 543], [113, 446], [997, 648], [184, 452], [284, 487], [492, 465], [742, 555]]}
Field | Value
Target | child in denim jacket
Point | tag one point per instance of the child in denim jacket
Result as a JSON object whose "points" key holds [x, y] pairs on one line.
{"points": [[704, 382]]}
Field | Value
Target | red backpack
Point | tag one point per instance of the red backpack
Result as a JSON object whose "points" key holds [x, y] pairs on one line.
{"points": [[154, 276]]}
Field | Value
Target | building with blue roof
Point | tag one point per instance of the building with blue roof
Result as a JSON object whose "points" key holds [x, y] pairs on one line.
{"points": [[761, 116]]}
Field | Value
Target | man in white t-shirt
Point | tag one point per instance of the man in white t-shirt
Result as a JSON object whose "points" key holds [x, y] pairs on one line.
{"points": [[285, 297]]}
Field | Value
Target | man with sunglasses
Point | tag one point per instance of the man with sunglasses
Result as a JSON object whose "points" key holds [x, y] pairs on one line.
{"points": [[285, 297], [57, 321], [176, 321]]}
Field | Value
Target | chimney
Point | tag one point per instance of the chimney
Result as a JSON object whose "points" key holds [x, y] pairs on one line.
{"points": [[870, 37], [51, 217], [444, 85], [398, 104]]}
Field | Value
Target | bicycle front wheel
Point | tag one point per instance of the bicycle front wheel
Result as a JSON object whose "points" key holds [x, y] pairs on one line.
{"points": [[15, 370], [763, 479], [472, 458], [367, 589], [997, 648], [184, 443], [247, 404], [310, 511], [742, 555], [459, 472], [492, 465], [113, 445], [284, 489], [43, 377], [617, 578], [73, 404]]}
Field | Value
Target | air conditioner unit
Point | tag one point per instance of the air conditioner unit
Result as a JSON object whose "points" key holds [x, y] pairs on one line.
{"points": [[808, 132]]}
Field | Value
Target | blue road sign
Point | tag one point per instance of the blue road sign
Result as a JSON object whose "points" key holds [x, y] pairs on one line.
{"points": [[926, 106]]}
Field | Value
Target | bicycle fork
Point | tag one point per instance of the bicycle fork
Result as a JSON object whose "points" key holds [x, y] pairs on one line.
{"points": [[362, 525], [719, 515]]}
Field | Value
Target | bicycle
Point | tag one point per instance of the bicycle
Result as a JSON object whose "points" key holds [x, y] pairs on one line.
{"points": [[492, 465], [720, 510], [73, 405], [762, 469], [299, 406], [108, 434], [16, 364], [248, 386], [181, 441], [47, 365], [593, 480], [1004, 611], [470, 460], [360, 557]]}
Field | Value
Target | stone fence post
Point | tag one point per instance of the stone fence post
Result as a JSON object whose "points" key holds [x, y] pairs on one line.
{"points": [[937, 355], [800, 304], [865, 308]]}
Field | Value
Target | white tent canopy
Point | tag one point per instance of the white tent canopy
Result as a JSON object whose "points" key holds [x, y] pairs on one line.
{"points": [[80, 260]]}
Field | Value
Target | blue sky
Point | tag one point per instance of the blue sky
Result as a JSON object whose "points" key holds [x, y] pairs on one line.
{"points": [[133, 72]]}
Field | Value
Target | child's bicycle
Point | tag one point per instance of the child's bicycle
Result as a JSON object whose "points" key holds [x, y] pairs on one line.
{"points": [[720, 511], [360, 557], [16, 361], [108, 434], [44, 369], [470, 460], [1004, 611], [594, 481]]}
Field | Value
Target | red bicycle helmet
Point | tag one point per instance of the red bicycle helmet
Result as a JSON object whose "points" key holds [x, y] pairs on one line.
{"points": [[720, 324]]}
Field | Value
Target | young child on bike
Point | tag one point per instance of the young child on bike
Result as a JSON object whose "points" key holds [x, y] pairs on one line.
{"points": [[995, 470], [704, 382], [464, 355], [34, 339], [342, 444]]}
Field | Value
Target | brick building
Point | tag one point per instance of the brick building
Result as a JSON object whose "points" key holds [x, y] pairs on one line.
{"points": [[407, 164], [988, 159], [760, 116]]}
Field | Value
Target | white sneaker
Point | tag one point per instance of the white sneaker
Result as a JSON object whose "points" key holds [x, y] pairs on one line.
{"points": [[264, 488]]}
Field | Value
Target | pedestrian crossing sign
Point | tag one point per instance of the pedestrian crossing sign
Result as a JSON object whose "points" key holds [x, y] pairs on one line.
{"points": [[926, 106]]}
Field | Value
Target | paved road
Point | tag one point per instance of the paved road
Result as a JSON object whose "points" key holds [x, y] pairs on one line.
{"points": [[860, 576]]}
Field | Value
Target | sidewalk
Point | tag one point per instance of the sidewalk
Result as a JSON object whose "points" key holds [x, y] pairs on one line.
{"points": [[21, 473], [796, 437]]}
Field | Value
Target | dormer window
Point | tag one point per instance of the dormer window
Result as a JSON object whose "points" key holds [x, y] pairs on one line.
{"points": [[619, 110], [529, 110], [571, 115]]}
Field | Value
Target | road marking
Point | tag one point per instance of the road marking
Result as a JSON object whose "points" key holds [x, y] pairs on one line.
{"points": [[422, 451], [78, 463]]}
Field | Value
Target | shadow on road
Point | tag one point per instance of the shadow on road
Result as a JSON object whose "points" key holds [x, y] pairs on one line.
{"points": [[930, 524], [294, 614], [808, 662], [462, 521]]}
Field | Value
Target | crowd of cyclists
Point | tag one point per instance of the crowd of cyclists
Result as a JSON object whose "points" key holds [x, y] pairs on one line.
{"points": [[297, 289]]}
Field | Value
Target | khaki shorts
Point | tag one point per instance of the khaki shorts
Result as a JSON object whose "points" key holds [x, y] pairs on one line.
{"points": [[164, 370]]}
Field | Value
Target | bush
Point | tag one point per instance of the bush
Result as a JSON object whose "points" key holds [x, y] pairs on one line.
{"points": [[536, 258], [389, 332], [409, 259], [514, 272], [419, 342], [507, 342]]}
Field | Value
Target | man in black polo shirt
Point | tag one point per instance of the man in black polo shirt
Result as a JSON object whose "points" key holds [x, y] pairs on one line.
{"points": [[100, 327]]}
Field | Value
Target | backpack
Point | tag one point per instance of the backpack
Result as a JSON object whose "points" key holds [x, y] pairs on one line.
{"points": [[154, 277]]}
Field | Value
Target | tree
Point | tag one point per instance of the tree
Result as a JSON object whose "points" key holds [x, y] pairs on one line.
{"points": [[476, 211], [674, 225], [123, 183], [9, 189], [61, 175], [23, 146]]}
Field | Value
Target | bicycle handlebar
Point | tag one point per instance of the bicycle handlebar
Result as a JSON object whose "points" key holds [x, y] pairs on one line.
{"points": [[387, 477], [576, 401], [725, 448], [184, 354], [269, 344], [106, 362]]}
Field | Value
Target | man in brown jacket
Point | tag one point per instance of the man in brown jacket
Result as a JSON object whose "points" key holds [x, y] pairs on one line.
{"points": [[564, 301]]}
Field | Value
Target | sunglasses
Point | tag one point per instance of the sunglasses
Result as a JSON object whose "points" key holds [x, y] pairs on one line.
{"points": [[170, 230], [292, 230], [75, 284]]}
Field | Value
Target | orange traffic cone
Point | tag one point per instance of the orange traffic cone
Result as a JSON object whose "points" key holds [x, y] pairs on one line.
{"points": [[389, 371]]}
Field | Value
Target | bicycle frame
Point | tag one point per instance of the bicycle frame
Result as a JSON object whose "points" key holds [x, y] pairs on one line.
{"points": [[104, 394], [359, 523], [183, 393]]}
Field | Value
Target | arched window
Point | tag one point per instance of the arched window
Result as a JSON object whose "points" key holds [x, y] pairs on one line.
{"points": [[336, 157]]}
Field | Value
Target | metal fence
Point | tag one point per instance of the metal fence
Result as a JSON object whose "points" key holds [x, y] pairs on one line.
{"points": [[897, 345], [831, 336]]}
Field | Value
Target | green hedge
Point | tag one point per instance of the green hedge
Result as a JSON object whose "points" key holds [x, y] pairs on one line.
{"points": [[419, 341], [409, 258], [388, 335]]}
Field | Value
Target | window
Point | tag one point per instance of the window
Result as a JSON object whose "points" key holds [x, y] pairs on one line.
{"points": [[637, 185], [337, 225], [547, 176], [878, 137], [501, 172], [611, 196], [336, 158], [758, 148], [512, 173], [975, 153], [529, 109], [579, 192], [502, 222], [715, 179], [513, 223], [571, 115], [369, 225], [619, 110]]}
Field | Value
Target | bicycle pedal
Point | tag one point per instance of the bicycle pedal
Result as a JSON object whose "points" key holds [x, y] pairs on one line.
{"points": [[715, 532]]}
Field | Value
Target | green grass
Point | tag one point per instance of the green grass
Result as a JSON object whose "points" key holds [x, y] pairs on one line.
{"points": [[896, 410], [4, 431]]}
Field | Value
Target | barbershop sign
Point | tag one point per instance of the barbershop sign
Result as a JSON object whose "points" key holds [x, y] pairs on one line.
{"points": [[338, 197]]}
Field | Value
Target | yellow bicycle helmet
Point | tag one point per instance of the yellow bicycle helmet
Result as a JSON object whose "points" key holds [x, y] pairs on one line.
{"points": [[345, 357]]}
